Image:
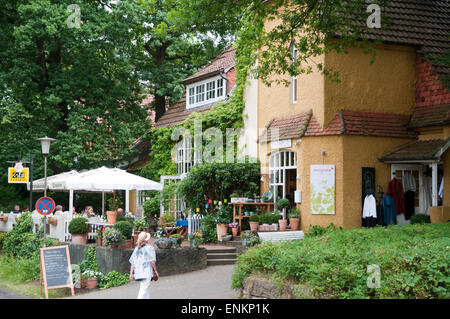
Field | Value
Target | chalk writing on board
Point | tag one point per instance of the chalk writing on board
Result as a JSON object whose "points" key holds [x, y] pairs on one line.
{"points": [[56, 267]]}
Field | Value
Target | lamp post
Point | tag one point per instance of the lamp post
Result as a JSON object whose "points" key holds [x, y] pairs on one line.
{"points": [[45, 145]]}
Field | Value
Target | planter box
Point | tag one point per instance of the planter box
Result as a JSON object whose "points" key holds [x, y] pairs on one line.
{"points": [[238, 199]]}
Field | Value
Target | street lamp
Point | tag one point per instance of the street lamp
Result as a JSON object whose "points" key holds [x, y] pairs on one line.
{"points": [[45, 144]]}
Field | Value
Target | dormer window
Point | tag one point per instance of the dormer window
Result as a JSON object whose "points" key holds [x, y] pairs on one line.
{"points": [[205, 92]]}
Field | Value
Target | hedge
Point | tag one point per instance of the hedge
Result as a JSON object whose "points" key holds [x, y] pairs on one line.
{"points": [[413, 259]]}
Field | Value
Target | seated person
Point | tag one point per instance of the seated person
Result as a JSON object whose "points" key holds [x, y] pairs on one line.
{"points": [[88, 212], [58, 210], [17, 209]]}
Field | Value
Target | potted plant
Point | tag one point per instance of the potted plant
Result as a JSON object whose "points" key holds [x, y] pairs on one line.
{"points": [[264, 221], [52, 221], [195, 239], [274, 218], [294, 218], [114, 203], [140, 225], [234, 228], [264, 199], [254, 222], [91, 278], [78, 228], [113, 238], [126, 229], [3, 218], [226, 237], [222, 220], [234, 197], [176, 239], [245, 236]]}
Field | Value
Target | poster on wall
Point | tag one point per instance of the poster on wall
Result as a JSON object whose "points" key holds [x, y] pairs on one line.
{"points": [[322, 189]]}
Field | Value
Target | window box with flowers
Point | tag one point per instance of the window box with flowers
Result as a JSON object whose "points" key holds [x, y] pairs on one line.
{"points": [[113, 237], [3, 218], [234, 228], [91, 278]]}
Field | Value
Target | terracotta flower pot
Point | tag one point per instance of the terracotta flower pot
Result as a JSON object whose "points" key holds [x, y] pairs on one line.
{"points": [[283, 224], [79, 238], [294, 223], [234, 231], [91, 282], [222, 229], [4, 219], [254, 226], [111, 216]]}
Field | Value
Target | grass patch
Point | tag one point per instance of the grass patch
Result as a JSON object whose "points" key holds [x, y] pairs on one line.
{"points": [[413, 260]]}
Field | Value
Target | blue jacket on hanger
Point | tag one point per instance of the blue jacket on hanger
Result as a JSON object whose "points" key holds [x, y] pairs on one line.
{"points": [[390, 215]]}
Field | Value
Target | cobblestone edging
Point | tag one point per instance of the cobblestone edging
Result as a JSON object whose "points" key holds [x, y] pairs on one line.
{"points": [[260, 288]]}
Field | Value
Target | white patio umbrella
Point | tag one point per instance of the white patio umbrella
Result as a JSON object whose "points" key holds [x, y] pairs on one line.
{"points": [[55, 182], [107, 179]]}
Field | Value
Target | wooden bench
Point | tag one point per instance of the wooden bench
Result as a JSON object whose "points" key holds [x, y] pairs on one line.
{"points": [[281, 235]]}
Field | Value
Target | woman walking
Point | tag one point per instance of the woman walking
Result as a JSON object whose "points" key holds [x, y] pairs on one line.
{"points": [[143, 265]]}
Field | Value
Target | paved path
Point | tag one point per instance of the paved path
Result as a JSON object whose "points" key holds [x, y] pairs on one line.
{"points": [[8, 294], [213, 282]]}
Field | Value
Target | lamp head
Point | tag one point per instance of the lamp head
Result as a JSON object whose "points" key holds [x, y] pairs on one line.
{"points": [[45, 144]]}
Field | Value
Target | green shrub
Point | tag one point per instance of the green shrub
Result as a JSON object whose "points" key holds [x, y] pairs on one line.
{"points": [[420, 219], [2, 238], [294, 213], [125, 228], [413, 259], [78, 225], [208, 228], [90, 260], [266, 218], [254, 218], [224, 215], [284, 203], [274, 217], [317, 230], [217, 181], [122, 218], [168, 218], [113, 279], [20, 269], [152, 206]]}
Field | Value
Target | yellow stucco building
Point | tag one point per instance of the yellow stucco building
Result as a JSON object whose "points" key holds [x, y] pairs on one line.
{"points": [[382, 121]]}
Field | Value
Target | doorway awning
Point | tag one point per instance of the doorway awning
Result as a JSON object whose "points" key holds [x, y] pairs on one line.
{"points": [[418, 152]]}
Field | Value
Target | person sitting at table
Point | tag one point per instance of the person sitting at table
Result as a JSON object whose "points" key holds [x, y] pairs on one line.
{"points": [[16, 209], [88, 211]]}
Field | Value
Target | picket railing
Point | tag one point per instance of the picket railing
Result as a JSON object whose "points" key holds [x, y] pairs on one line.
{"points": [[194, 223]]}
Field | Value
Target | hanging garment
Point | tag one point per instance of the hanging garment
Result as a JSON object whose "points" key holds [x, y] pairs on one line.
{"points": [[409, 204], [408, 182], [389, 212], [395, 190], [425, 194], [441, 189], [369, 211], [380, 215]]}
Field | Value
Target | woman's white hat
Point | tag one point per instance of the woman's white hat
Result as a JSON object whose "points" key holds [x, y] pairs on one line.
{"points": [[144, 236]]}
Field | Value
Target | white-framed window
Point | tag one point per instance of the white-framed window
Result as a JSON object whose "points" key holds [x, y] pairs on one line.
{"points": [[278, 164], [294, 52], [187, 156], [205, 92]]}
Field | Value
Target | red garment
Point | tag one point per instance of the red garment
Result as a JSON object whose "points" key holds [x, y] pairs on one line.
{"points": [[395, 189]]}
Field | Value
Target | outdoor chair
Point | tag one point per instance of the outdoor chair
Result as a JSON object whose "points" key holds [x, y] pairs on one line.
{"points": [[168, 228]]}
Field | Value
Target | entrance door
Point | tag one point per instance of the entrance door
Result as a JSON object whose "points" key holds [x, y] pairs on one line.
{"points": [[416, 171], [283, 172]]}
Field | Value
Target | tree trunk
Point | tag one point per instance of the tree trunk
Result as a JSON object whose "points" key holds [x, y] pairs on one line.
{"points": [[160, 107]]}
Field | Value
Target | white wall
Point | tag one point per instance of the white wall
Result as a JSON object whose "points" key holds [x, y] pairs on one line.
{"points": [[247, 142]]}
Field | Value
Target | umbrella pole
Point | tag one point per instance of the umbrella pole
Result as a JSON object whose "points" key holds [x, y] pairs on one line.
{"points": [[103, 203]]}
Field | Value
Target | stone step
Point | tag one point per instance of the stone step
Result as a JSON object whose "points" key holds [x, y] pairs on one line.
{"points": [[233, 243], [214, 262], [221, 256], [226, 250]]}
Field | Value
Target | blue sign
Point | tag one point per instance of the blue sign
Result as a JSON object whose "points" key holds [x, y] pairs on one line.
{"points": [[45, 205]]}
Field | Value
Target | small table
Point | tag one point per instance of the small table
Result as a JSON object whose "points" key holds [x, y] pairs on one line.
{"points": [[182, 223], [98, 227], [239, 205]]}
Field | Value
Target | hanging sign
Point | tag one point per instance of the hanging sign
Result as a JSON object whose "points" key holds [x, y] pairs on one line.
{"points": [[280, 144], [45, 205], [56, 271], [323, 189], [18, 177]]}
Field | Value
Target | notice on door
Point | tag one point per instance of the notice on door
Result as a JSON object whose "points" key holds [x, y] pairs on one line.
{"points": [[323, 189]]}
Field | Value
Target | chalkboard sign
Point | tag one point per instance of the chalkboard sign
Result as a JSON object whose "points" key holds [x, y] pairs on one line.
{"points": [[56, 271]]}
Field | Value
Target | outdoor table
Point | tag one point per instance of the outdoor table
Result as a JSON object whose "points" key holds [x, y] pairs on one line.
{"points": [[182, 223], [239, 206], [98, 226]]}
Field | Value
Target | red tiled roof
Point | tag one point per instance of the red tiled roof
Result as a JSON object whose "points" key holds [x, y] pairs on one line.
{"points": [[225, 60], [418, 151], [345, 122], [430, 116]]}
